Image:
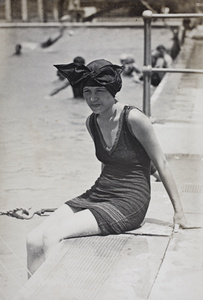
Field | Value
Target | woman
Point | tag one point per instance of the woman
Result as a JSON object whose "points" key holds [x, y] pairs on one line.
{"points": [[125, 143]]}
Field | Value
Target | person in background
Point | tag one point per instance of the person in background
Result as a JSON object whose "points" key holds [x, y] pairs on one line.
{"points": [[63, 83], [130, 67], [50, 41], [125, 144], [18, 49], [160, 59], [176, 46], [43, 45], [164, 58]]}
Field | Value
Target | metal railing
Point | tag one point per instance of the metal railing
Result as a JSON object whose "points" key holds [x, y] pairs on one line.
{"points": [[41, 10], [43, 6], [148, 16]]}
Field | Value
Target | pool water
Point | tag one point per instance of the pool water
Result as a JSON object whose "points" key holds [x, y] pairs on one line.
{"points": [[45, 147]]}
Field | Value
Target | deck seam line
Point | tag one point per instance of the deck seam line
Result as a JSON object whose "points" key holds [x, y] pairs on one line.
{"points": [[10, 274], [165, 252], [3, 294], [15, 255]]}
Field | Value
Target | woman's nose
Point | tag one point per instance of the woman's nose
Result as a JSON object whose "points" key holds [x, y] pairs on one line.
{"points": [[93, 98]]}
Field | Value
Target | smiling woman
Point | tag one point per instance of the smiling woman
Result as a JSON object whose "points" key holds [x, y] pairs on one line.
{"points": [[97, 98], [125, 144]]}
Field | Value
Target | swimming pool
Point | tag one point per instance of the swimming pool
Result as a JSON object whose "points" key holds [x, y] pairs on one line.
{"points": [[45, 146], [47, 156]]}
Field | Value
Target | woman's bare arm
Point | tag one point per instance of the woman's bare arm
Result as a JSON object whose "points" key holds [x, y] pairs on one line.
{"points": [[143, 130]]}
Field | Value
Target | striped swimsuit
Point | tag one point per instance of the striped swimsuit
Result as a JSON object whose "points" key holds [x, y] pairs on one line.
{"points": [[120, 197]]}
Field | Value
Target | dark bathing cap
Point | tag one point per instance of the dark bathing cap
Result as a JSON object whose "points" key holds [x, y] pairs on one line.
{"points": [[97, 73], [79, 60]]}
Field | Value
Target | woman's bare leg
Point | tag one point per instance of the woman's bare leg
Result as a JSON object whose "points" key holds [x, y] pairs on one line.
{"points": [[63, 223], [35, 252]]}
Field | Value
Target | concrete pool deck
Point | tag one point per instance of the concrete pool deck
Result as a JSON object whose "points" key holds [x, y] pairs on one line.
{"points": [[153, 262]]}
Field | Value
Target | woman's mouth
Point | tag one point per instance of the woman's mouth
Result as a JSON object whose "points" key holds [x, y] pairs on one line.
{"points": [[94, 106]]}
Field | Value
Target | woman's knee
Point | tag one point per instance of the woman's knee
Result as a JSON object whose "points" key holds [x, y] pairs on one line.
{"points": [[50, 238], [34, 242]]}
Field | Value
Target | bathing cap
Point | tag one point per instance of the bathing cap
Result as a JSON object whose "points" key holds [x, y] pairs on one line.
{"points": [[97, 73]]}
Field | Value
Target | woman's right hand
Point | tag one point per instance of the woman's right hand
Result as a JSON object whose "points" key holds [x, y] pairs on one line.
{"points": [[181, 222]]}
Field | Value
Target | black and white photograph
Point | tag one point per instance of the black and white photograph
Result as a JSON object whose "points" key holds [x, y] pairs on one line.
{"points": [[101, 149]]}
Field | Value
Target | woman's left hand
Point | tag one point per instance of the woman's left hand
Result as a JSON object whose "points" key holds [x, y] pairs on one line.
{"points": [[181, 222]]}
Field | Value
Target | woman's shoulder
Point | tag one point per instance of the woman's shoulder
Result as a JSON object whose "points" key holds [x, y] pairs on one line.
{"points": [[134, 113], [136, 117]]}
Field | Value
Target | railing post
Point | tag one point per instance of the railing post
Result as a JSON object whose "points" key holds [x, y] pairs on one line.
{"points": [[24, 10], [147, 16], [55, 11], [41, 10], [8, 14]]}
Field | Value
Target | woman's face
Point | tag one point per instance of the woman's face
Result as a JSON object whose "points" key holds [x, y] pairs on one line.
{"points": [[98, 98]]}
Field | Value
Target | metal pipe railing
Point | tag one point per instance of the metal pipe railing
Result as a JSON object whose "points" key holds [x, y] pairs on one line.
{"points": [[149, 69], [148, 16], [176, 16], [147, 62]]}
